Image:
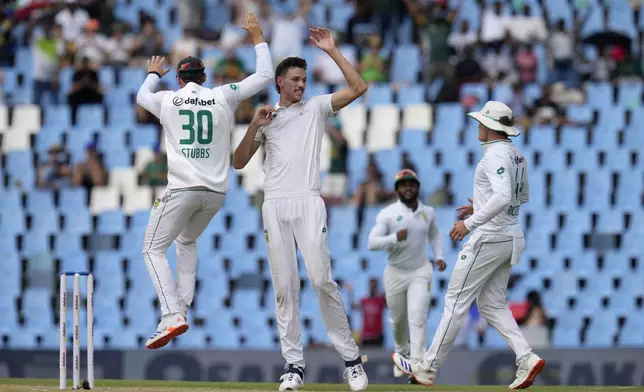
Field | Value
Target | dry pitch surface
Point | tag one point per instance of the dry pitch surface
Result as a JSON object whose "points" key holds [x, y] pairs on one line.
{"points": [[42, 385]]}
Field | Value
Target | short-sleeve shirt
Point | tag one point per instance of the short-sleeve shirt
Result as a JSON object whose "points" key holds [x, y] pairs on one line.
{"points": [[292, 143], [372, 313]]}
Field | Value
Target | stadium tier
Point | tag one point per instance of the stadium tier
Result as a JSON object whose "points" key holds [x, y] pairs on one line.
{"points": [[583, 224]]}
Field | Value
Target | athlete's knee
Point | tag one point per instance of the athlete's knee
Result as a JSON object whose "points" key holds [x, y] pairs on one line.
{"points": [[488, 307], [323, 284], [186, 243]]}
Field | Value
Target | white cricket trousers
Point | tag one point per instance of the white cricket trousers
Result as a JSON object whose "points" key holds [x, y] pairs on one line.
{"points": [[408, 293], [481, 272], [180, 215], [302, 222]]}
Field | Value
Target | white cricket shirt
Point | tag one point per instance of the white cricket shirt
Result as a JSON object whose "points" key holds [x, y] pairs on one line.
{"points": [[197, 123], [500, 187], [292, 142], [421, 226]]}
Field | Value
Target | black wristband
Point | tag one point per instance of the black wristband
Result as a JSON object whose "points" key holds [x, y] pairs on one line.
{"points": [[155, 73]]}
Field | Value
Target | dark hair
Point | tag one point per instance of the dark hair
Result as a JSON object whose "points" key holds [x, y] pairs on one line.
{"points": [[285, 65]]}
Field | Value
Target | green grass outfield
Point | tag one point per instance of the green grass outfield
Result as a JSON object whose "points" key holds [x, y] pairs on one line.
{"points": [[42, 385]]}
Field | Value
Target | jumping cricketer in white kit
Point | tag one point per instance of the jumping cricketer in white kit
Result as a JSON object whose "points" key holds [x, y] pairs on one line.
{"points": [[294, 214], [197, 123], [484, 264], [403, 229]]}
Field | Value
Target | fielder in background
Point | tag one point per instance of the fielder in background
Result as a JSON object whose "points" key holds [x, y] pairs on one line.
{"points": [[484, 264], [293, 212], [403, 229], [197, 123]]}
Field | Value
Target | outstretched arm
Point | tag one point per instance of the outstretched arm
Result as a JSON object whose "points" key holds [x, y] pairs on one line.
{"points": [[323, 39], [264, 73], [146, 97]]}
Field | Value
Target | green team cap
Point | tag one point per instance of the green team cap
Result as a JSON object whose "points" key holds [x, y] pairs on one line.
{"points": [[406, 175], [190, 67]]}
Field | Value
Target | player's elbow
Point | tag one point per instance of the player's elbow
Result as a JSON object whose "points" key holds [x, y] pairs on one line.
{"points": [[360, 89], [238, 162]]}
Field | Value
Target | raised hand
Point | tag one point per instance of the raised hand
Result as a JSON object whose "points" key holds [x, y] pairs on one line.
{"points": [[322, 38], [263, 116], [253, 28], [157, 64]]}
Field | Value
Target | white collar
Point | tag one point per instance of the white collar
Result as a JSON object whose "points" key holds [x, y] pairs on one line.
{"points": [[278, 106], [418, 209]]}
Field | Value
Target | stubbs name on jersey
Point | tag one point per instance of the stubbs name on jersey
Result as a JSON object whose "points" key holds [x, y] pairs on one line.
{"points": [[198, 127]]}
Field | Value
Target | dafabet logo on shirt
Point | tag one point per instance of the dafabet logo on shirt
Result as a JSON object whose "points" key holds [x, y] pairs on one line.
{"points": [[178, 101]]}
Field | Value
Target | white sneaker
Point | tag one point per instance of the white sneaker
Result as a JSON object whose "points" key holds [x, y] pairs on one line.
{"points": [[529, 368], [292, 379], [169, 328], [357, 378], [398, 373], [414, 369]]}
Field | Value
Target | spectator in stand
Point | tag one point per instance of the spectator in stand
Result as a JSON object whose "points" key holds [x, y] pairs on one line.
{"points": [[562, 52], [190, 14], [91, 172], [232, 35], [47, 52], [155, 173], [443, 196], [7, 40], [545, 110], [362, 16], [229, 69], [185, 46], [119, 46], [627, 66], [519, 105], [531, 317], [73, 19], [407, 163], [463, 38], [468, 70], [499, 65], [335, 184], [603, 68], [373, 66], [527, 27], [287, 37], [55, 172], [372, 190], [434, 22], [85, 87], [493, 24], [91, 45], [147, 44], [372, 309], [526, 63], [327, 71]]}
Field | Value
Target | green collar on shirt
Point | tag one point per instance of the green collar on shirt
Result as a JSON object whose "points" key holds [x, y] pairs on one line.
{"points": [[278, 106]]}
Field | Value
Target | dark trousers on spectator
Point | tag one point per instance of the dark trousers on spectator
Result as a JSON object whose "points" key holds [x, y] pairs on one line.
{"points": [[41, 87]]}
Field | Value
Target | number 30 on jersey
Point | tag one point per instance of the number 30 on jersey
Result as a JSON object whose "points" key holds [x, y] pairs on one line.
{"points": [[196, 134]]}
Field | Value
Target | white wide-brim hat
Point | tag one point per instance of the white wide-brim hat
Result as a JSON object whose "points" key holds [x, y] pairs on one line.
{"points": [[496, 116]]}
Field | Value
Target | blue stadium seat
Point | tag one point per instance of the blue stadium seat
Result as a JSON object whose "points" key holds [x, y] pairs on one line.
{"points": [[58, 116], [143, 136], [122, 116], [35, 243], [20, 169], [90, 116], [379, 94], [339, 16], [45, 221], [73, 260], [406, 64], [580, 113], [37, 315], [603, 328], [449, 118], [111, 222], [343, 220], [131, 78], [478, 90], [117, 159], [411, 139], [411, 95], [600, 95], [46, 138]]}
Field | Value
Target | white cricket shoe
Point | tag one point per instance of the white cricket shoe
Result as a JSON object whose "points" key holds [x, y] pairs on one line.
{"points": [[169, 328], [398, 373], [414, 369], [357, 378], [529, 368], [292, 379]]}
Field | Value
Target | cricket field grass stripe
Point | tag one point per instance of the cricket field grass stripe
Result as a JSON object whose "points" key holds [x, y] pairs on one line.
{"points": [[45, 385]]}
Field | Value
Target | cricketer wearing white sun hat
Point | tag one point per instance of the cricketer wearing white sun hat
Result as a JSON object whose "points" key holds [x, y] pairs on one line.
{"points": [[496, 116]]}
